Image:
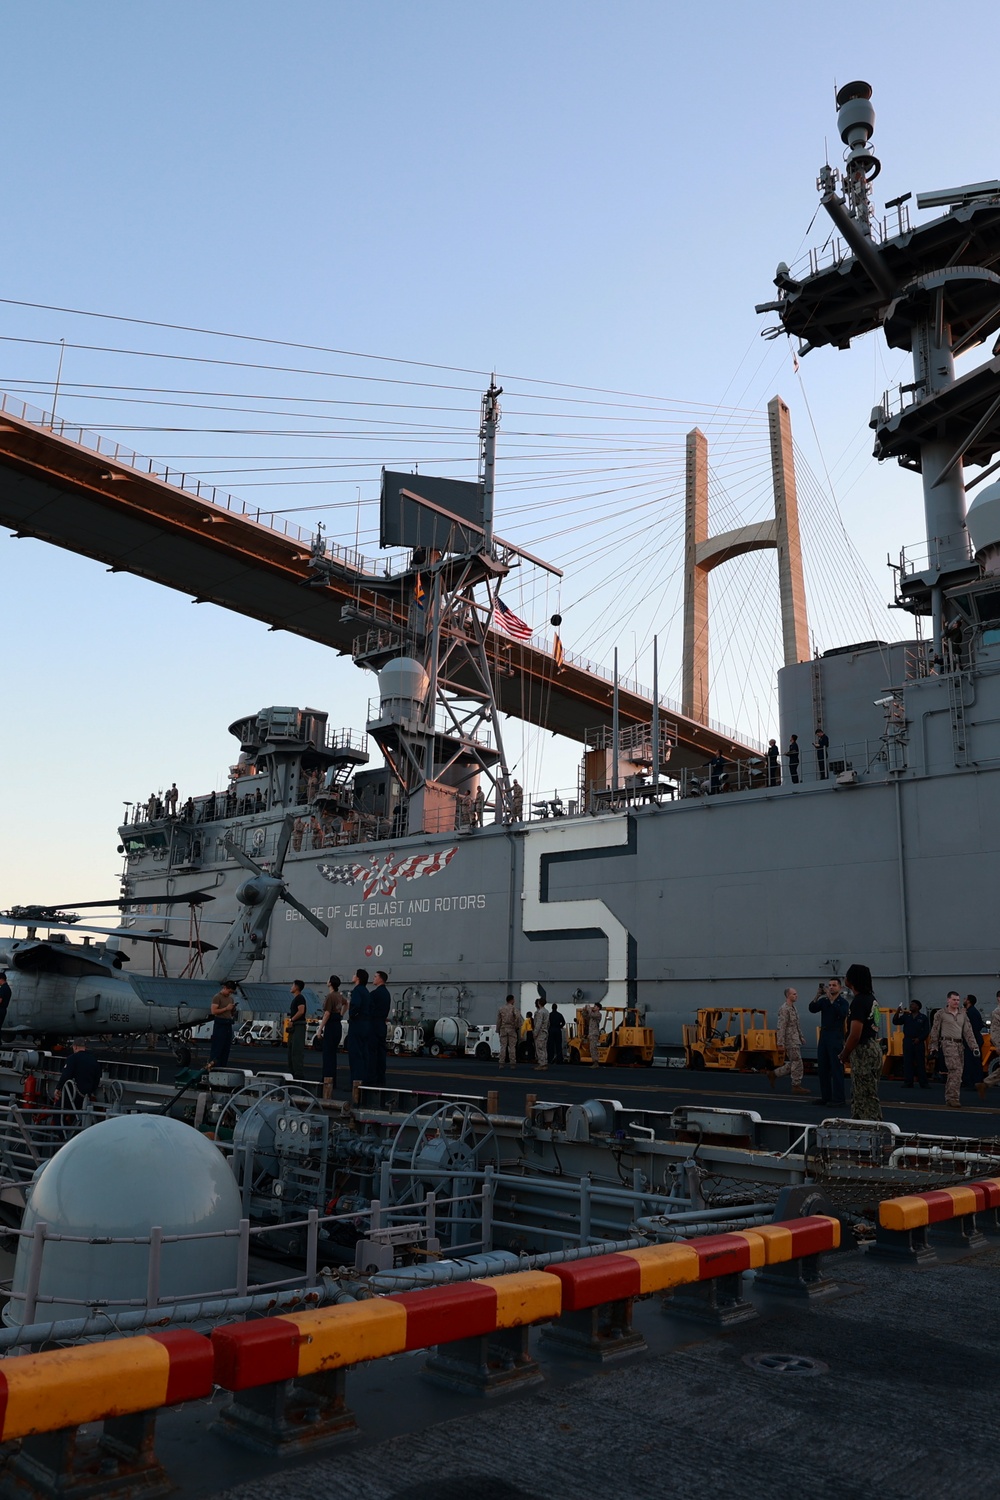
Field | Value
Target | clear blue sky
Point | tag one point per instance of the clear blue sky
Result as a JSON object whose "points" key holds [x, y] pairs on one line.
{"points": [[584, 192]]}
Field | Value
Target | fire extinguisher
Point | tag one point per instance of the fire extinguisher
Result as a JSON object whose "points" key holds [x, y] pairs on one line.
{"points": [[30, 1097]]}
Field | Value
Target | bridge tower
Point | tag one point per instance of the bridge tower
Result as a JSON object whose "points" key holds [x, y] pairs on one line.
{"points": [[702, 553]]}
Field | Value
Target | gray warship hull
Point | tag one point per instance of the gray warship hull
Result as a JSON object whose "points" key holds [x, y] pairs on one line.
{"points": [[891, 859]]}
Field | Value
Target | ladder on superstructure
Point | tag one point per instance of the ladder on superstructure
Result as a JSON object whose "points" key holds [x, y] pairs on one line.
{"points": [[959, 728]]}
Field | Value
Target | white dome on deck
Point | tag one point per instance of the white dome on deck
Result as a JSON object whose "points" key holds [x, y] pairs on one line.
{"points": [[121, 1178]]}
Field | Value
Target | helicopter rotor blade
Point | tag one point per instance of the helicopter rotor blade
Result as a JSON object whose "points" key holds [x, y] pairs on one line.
{"points": [[304, 911], [240, 857], [194, 898], [118, 932], [281, 848], [155, 937]]}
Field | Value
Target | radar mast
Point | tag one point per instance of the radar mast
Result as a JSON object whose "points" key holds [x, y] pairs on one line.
{"points": [[934, 290]]}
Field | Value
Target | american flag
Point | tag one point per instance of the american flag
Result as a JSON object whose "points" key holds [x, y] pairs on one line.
{"points": [[425, 864], [342, 874], [381, 875], [506, 620]]}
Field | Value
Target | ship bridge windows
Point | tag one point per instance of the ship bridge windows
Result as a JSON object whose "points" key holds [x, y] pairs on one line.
{"points": [[138, 843], [979, 606], [988, 607]]}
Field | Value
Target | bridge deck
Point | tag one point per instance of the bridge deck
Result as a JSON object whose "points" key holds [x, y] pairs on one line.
{"points": [[79, 493]]}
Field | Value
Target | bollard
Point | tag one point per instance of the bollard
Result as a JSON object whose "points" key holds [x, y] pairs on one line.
{"points": [[493, 1102]]}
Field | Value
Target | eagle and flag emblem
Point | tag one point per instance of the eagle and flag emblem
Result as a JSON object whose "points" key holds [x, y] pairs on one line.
{"points": [[383, 872]]}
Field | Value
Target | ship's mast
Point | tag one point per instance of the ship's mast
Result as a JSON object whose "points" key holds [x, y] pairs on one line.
{"points": [[919, 287], [430, 637], [488, 437]]}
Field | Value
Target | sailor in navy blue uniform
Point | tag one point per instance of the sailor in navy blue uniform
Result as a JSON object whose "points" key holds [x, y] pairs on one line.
{"points": [[831, 1005], [916, 1029]]}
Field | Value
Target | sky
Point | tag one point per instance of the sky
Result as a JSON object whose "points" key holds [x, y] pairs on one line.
{"points": [[564, 191]]}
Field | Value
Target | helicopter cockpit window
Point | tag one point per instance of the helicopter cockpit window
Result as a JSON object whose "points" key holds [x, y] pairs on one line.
{"points": [[50, 961]]}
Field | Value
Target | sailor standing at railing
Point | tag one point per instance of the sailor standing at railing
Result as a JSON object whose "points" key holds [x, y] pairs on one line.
{"points": [[380, 1002], [223, 1012], [792, 754], [359, 1029], [81, 1074]]}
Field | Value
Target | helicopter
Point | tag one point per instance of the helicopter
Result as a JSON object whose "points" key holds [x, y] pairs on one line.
{"points": [[66, 989]]}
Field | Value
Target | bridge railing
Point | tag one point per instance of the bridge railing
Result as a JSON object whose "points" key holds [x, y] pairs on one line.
{"points": [[352, 560], [119, 454]]}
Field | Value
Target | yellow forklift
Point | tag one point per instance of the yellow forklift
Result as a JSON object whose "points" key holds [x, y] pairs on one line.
{"points": [[624, 1043], [734, 1037]]}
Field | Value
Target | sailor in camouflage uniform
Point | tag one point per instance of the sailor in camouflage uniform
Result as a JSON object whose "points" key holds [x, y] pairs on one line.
{"points": [[508, 1028], [789, 1035], [594, 1033], [862, 1047], [540, 1031]]}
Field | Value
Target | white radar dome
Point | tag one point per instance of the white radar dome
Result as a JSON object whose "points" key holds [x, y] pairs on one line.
{"points": [[983, 522], [403, 680], [121, 1178]]}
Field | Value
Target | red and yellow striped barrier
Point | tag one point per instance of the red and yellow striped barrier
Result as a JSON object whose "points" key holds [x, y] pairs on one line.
{"points": [[919, 1210], [330, 1338], [67, 1387]]}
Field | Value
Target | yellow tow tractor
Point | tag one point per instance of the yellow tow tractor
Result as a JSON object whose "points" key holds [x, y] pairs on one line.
{"points": [[733, 1037], [624, 1043]]}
